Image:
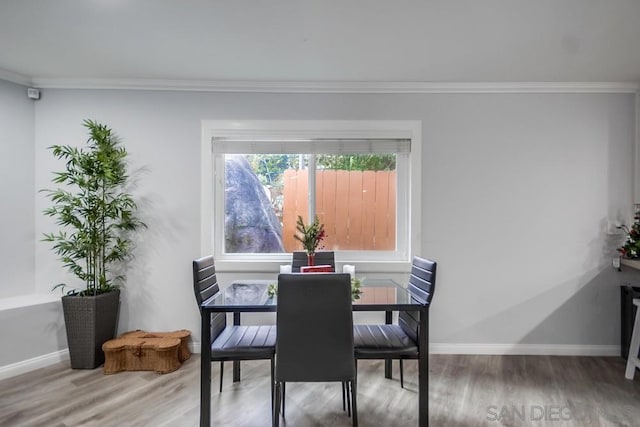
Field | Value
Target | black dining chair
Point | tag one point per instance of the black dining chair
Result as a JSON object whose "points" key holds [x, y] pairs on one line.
{"points": [[231, 342], [299, 259], [390, 342], [315, 334]]}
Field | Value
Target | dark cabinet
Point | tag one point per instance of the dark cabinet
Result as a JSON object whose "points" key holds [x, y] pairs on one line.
{"points": [[627, 316]]}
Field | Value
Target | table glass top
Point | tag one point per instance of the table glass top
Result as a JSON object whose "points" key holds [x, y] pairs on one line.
{"points": [[253, 295]]}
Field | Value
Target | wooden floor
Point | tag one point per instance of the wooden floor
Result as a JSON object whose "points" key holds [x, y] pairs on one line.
{"points": [[464, 391]]}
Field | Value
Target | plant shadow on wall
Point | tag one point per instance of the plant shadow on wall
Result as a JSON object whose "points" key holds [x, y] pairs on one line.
{"points": [[97, 219], [579, 310], [138, 269]]}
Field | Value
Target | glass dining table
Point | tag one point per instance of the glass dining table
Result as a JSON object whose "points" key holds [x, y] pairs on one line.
{"points": [[253, 296]]}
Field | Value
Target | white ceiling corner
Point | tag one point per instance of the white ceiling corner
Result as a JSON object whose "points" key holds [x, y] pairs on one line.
{"points": [[360, 46]]}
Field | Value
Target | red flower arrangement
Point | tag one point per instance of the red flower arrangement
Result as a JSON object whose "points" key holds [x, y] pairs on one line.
{"points": [[310, 235]]}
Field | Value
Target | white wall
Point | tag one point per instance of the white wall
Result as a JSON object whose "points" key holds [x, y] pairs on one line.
{"points": [[29, 332], [517, 189], [17, 238]]}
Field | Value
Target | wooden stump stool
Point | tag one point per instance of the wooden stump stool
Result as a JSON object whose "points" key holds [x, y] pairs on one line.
{"points": [[141, 354], [162, 352], [183, 335]]}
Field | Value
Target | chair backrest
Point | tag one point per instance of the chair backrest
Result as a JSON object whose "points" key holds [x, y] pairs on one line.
{"points": [[205, 285], [299, 259], [422, 284], [315, 328]]}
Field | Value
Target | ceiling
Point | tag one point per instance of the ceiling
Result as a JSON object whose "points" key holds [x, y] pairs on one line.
{"points": [[446, 41]]}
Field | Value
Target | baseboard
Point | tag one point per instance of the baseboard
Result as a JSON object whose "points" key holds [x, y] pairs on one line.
{"points": [[522, 349], [45, 360], [28, 365], [526, 349], [24, 366]]}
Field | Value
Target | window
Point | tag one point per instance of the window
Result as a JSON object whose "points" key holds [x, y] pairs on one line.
{"points": [[360, 178]]}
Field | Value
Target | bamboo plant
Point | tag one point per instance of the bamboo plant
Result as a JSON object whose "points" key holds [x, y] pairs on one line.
{"points": [[96, 214]]}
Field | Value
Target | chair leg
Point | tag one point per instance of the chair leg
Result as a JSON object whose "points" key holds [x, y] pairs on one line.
{"points": [[344, 386], [284, 390], [354, 393], [221, 374], [276, 407], [401, 375], [346, 398], [273, 368], [349, 389]]}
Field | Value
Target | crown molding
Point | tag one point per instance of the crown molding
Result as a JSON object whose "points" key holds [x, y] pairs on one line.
{"points": [[337, 87], [15, 78]]}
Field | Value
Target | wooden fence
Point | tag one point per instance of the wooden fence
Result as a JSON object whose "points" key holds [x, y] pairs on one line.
{"points": [[358, 208]]}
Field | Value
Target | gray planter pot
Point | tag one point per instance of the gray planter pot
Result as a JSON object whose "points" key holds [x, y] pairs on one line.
{"points": [[90, 322]]}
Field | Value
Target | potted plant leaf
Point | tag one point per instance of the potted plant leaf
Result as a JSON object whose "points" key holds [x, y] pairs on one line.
{"points": [[97, 219]]}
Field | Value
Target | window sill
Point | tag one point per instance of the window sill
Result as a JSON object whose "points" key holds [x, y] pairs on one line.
{"points": [[240, 266]]}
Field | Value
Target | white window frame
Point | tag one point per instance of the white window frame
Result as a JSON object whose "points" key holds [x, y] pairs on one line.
{"points": [[409, 176]]}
